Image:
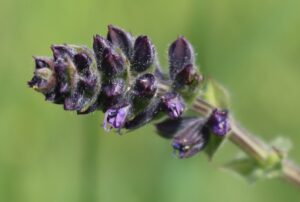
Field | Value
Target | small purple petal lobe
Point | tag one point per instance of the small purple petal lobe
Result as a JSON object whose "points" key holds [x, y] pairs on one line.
{"points": [[173, 104], [219, 122], [116, 117]]}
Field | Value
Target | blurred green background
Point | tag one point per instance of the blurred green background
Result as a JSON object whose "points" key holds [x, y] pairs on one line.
{"points": [[47, 154]]}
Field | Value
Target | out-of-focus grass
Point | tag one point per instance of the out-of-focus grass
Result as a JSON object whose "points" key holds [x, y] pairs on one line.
{"points": [[47, 154]]}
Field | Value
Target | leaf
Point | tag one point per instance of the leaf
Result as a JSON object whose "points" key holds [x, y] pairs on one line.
{"points": [[216, 95], [215, 142], [282, 146], [248, 169]]}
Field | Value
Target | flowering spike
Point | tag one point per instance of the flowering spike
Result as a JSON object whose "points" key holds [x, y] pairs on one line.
{"points": [[143, 54], [173, 104], [120, 39], [181, 53], [116, 117], [191, 139], [218, 122]]}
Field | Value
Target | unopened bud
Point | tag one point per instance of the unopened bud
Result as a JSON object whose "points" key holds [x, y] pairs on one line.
{"points": [[120, 39], [143, 54], [181, 53]]}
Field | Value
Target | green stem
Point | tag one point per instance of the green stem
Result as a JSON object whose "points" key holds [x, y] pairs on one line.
{"points": [[264, 154]]}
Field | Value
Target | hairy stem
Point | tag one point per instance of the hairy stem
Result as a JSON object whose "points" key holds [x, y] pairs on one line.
{"points": [[264, 154]]}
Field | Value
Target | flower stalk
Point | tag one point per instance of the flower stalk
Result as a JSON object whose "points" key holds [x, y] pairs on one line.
{"points": [[121, 76]]}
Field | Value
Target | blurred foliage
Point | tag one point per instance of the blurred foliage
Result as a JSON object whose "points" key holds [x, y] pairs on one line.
{"points": [[46, 154]]}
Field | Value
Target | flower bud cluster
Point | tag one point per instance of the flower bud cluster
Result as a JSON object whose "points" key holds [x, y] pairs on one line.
{"points": [[120, 76]]}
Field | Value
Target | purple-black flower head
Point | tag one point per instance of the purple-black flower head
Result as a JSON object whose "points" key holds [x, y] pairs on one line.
{"points": [[181, 53], [191, 139], [218, 122], [99, 45], [115, 117], [187, 76], [143, 54], [121, 39], [112, 64], [173, 104], [145, 86]]}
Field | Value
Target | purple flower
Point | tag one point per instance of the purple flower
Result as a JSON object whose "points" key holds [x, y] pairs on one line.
{"points": [[191, 139], [218, 122], [116, 117], [173, 104]]}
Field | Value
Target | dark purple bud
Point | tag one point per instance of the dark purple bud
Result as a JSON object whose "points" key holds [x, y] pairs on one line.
{"points": [[145, 116], [143, 54], [113, 88], [42, 62], [62, 51], [145, 86], [116, 117], [169, 127], [87, 85], [218, 122], [43, 80], [99, 45], [172, 103], [112, 63], [120, 39], [50, 97], [35, 81], [61, 76], [73, 102], [181, 53], [82, 62], [191, 139], [187, 76]]}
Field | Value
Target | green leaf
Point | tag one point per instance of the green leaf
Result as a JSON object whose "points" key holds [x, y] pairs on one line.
{"points": [[248, 169], [216, 94], [282, 146], [215, 142]]}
